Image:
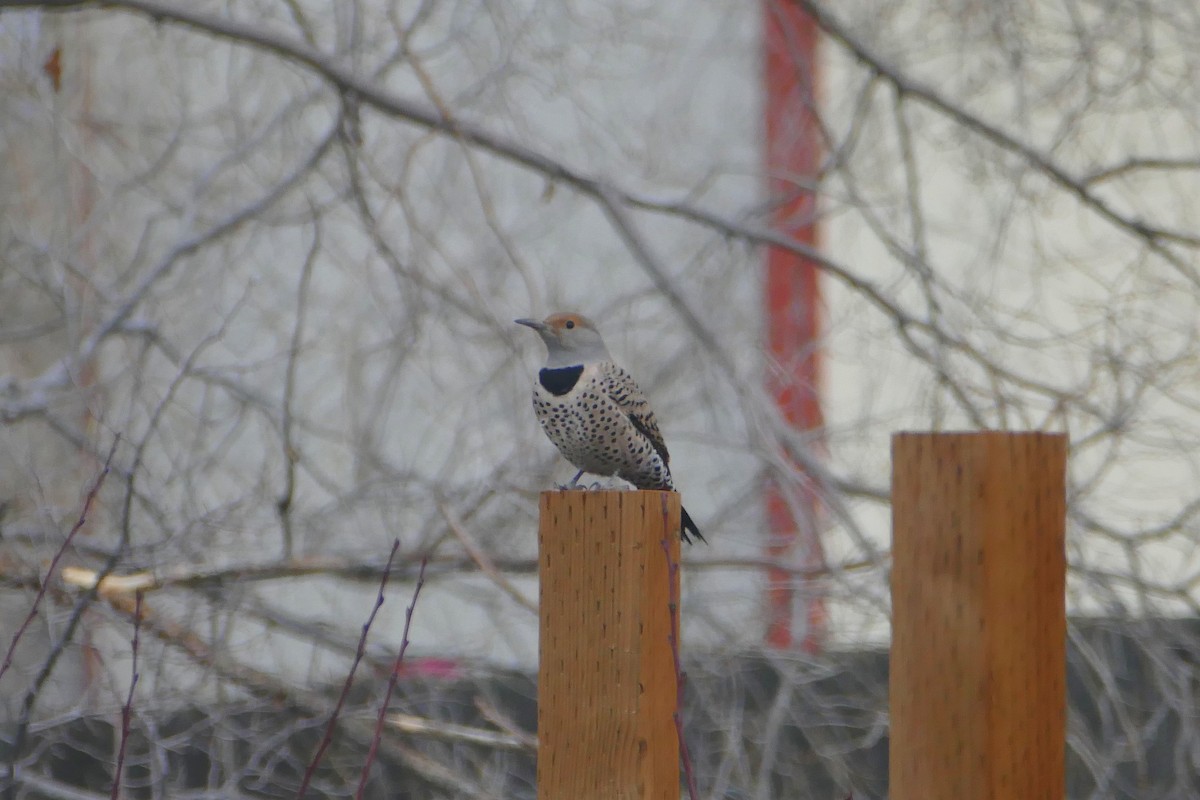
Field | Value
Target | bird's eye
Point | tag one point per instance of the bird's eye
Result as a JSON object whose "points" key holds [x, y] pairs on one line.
{"points": [[570, 324]]}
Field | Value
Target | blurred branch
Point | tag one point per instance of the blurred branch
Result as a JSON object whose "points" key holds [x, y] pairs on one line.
{"points": [[362, 572], [57, 790], [492, 714], [481, 559], [291, 455], [442, 775], [451, 732]]}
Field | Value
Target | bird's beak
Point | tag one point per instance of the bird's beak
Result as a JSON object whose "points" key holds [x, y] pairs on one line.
{"points": [[537, 325]]}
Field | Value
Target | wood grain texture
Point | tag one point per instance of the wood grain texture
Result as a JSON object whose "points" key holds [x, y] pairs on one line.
{"points": [[606, 676], [978, 662]]}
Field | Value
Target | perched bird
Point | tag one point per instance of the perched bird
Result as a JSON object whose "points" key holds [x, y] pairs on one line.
{"points": [[593, 411]]}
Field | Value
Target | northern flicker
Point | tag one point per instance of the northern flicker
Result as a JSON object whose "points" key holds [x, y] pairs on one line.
{"points": [[593, 411]]}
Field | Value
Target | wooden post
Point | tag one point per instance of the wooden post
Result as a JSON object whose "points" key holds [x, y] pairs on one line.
{"points": [[978, 664], [606, 677]]}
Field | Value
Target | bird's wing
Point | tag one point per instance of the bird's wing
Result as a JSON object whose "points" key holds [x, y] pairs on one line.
{"points": [[628, 396]]}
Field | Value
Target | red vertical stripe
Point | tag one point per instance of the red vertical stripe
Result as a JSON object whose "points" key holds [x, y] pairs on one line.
{"points": [[793, 153]]}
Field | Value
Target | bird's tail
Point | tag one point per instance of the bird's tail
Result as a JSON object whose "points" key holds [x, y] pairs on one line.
{"points": [[689, 525]]}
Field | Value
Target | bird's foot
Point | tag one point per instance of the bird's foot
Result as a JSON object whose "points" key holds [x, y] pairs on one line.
{"points": [[574, 484]]}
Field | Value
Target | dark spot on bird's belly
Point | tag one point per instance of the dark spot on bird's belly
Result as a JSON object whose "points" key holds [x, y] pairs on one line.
{"points": [[560, 381]]}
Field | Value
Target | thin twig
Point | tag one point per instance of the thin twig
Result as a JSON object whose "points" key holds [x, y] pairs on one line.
{"points": [[1138, 164], [327, 739], [79, 523], [689, 773], [127, 709], [391, 687]]}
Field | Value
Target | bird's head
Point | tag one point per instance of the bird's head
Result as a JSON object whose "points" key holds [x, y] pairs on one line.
{"points": [[570, 339]]}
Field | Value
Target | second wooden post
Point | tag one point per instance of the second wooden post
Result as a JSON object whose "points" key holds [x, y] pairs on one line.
{"points": [[606, 676], [978, 664]]}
